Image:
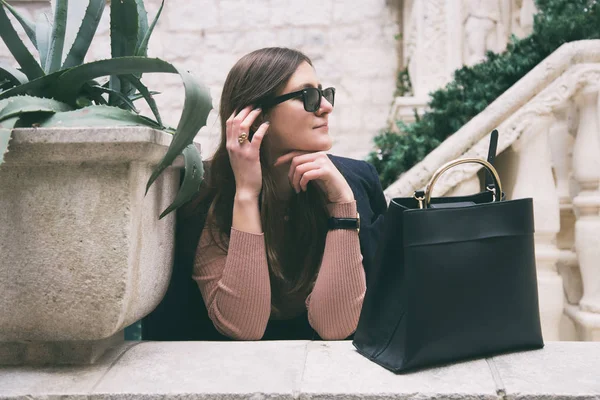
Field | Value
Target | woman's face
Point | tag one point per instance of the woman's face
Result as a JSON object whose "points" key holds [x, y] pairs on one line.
{"points": [[293, 128]]}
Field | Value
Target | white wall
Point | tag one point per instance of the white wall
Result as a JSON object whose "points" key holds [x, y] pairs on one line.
{"points": [[351, 43]]}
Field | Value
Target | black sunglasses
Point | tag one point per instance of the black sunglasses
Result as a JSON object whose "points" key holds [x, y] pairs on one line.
{"points": [[311, 97]]}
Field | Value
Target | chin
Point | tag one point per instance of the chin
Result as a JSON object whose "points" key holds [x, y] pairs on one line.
{"points": [[311, 143], [322, 144], [325, 142]]}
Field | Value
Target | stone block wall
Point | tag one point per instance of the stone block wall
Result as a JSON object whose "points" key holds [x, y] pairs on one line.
{"points": [[352, 44]]}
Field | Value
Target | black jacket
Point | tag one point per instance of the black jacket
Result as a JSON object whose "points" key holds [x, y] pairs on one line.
{"points": [[182, 315]]}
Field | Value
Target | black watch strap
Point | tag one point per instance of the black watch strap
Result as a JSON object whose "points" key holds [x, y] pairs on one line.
{"points": [[344, 223]]}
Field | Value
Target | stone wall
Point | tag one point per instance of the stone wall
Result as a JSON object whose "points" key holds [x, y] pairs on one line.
{"points": [[352, 44]]}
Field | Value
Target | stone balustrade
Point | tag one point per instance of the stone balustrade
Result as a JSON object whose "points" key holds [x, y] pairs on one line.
{"points": [[304, 370], [548, 149]]}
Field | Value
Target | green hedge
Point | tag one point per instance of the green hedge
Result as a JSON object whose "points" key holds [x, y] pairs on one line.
{"points": [[474, 88]]}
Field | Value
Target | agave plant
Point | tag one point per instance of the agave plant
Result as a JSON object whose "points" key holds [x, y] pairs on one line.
{"points": [[60, 89]]}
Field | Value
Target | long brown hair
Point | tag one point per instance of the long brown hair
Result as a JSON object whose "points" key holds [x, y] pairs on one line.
{"points": [[295, 248]]}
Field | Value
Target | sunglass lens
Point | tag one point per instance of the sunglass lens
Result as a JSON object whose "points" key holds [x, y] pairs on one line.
{"points": [[311, 99], [329, 95]]}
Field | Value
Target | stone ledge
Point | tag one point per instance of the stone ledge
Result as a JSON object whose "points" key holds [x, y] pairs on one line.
{"points": [[305, 370], [41, 146]]}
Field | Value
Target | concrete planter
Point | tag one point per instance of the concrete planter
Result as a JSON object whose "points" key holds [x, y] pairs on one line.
{"points": [[82, 252]]}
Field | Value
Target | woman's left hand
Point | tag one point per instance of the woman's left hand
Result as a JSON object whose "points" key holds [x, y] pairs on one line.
{"points": [[306, 167]]}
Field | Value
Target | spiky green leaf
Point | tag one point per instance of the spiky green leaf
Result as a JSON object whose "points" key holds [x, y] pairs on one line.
{"points": [[192, 178], [89, 94], [105, 116], [123, 27], [57, 38], [70, 82], [9, 123], [18, 105], [87, 30], [195, 112], [27, 25], [114, 83], [196, 107], [5, 84], [139, 96], [6, 127], [142, 47], [13, 75], [43, 30], [126, 100], [4, 139], [142, 17], [15, 45], [38, 87], [136, 83]]}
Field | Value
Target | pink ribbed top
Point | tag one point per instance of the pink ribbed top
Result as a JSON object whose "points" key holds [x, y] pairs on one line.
{"points": [[236, 289]]}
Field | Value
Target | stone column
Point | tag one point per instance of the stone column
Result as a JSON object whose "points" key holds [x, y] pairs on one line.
{"points": [[426, 45], [534, 179], [427, 52], [561, 145], [586, 171], [526, 14]]}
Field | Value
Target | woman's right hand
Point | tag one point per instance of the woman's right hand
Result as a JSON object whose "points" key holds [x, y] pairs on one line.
{"points": [[245, 156]]}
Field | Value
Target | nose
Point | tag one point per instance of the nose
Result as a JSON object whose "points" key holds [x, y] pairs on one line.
{"points": [[325, 106]]}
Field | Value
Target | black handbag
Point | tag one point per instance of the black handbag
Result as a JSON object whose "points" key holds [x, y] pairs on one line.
{"points": [[454, 279]]}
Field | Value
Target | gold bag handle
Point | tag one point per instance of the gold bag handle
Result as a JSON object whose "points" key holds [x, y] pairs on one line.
{"points": [[429, 188]]}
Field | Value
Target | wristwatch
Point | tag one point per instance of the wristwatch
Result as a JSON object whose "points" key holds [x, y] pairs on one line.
{"points": [[345, 223]]}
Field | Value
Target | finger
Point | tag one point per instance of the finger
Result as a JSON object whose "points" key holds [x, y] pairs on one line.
{"points": [[299, 172], [229, 126], [294, 164], [230, 119], [249, 120], [288, 157], [310, 156], [259, 135], [306, 157], [317, 157], [239, 118], [310, 176]]}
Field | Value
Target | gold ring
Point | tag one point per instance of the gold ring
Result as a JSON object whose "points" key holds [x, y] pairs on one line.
{"points": [[242, 138]]}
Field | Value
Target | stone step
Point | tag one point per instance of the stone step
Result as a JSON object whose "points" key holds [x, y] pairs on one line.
{"points": [[304, 370]]}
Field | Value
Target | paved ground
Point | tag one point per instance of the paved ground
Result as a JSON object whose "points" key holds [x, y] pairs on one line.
{"points": [[305, 370]]}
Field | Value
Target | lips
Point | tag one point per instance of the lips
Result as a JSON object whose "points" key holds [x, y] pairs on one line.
{"points": [[321, 126]]}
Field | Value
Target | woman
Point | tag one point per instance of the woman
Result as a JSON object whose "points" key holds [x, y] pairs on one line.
{"points": [[280, 249]]}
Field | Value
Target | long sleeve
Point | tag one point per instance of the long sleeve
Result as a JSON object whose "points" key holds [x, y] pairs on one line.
{"points": [[336, 300], [235, 284]]}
